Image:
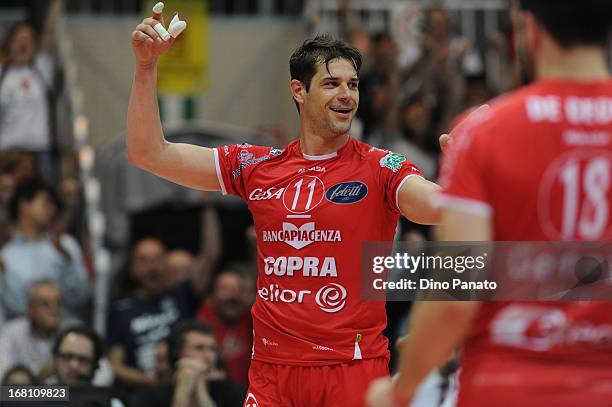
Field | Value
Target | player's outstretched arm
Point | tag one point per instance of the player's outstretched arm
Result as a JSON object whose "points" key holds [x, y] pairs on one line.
{"points": [[415, 196], [415, 201], [185, 164], [440, 326]]}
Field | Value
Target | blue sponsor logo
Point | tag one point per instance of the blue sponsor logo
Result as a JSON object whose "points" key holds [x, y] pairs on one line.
{"points": [[347, 192]]}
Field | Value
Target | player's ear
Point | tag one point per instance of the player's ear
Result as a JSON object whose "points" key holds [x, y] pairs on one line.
{"points": [[298, 90]]}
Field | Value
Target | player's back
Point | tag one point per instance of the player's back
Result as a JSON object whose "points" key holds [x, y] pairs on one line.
{"points": [[545, 155], [548, 154]]}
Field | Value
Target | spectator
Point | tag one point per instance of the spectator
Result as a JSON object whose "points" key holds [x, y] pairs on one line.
{"points": [[14, 167], [442, 63], [360, 38], [35, 253], [193, 355], [18, 375], [378, 89], [7, 185], [28, 340], [501, 69], [461, 55], [26, 86], [137, 323], [77, 354], [179, 264], [229, 317], [416, 140], [71, 218], [416, 136]]}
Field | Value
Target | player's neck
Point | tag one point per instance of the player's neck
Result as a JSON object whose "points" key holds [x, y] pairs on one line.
{"points": [[314, 144], [578, 63]]}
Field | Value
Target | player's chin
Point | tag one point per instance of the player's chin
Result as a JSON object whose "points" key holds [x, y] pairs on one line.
{"points": [[341, 127]]}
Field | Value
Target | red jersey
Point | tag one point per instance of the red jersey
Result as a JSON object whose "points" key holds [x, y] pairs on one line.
{"points": [[311, 215], [539, 162]]}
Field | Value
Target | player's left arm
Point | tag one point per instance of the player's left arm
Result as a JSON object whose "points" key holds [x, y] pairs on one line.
{"points": [[415, 196], [414, 199], [440, 326], [437, 328]]}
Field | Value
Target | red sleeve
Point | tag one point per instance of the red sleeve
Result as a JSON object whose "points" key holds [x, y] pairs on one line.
{"points": [[464, 170], [233, 162], [394, 170]]}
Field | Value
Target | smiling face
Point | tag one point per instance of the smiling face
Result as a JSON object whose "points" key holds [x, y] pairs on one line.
{"points": [[329, 105]]}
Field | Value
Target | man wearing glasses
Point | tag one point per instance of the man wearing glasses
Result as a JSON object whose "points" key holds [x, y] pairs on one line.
{"points": [[76, 355]]}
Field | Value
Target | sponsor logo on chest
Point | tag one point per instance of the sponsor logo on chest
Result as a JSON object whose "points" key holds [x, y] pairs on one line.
{"points": [[330, 298], [259, 194], [347, 192], [300, 237]]}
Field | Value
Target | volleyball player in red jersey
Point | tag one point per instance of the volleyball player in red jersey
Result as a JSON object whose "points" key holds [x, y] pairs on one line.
{"points": [[536, 166], [316, 342]]}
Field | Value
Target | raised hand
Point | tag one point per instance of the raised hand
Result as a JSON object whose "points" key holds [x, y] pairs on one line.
{"points": [[150, 39]]}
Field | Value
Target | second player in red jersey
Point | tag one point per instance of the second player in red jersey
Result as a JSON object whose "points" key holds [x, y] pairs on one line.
{"points": [[561, 187], [536, 166]]}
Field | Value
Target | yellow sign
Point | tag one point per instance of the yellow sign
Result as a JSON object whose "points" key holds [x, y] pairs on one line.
{"points": [[184, 68]]}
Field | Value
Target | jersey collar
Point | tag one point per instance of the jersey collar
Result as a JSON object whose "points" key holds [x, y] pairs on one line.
{"points": [[324, 156]]}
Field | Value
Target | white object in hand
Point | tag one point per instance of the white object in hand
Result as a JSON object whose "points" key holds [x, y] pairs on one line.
{"points": [[176, 26], [158, 8], [165, 35], [175, 20]]}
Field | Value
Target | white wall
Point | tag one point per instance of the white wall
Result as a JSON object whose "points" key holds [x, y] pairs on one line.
{"points": [[249, 72]]}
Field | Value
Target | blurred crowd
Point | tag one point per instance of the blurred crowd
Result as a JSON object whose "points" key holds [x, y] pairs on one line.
{"points": [[419, 77], [179, 316]]}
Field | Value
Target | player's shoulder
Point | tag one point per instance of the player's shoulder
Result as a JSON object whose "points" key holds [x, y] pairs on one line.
{"points": [[248, 156], [368, 152], [504, 115], [380, 158], [511, 108], [246, 151]]}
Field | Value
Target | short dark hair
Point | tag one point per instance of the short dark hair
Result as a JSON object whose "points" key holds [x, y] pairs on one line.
{"points": [[27, 191], [178, 333], [83, 330], [320, 50], [572, 22]]}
